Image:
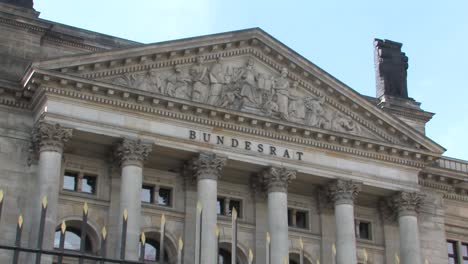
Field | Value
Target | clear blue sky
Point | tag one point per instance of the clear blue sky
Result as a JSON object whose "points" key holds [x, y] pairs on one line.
{"points": [[335, 35]]}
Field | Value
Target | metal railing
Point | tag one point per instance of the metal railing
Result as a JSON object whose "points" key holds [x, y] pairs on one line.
{"points": [[61, 251]]}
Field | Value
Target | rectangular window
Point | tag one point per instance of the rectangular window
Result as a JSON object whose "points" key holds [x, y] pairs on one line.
{"points": [[70, 181], [235, 204], [298, 218], [365, 230], [452, 252], [301, 219], [464, 253], [147, 194], [220, 206], [164, 198]]}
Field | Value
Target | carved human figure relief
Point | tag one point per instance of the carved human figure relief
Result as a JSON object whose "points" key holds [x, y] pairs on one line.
{"points": [[178, 84], [217, 82], [201, 81], [242, 85], [296, 107], [280, 88]]}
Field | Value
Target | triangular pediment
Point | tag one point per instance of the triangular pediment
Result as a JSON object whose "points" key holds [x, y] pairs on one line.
{"points": [[249, 72]]}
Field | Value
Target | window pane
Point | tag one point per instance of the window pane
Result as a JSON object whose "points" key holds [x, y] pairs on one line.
{"points": [[164, 197], [70, 181], [235, 204], [89, 184], [301, 219], [364, 230], [147, 194], [220, 206], [452, 261], [464, 250], [450, 247], [289, 217]]}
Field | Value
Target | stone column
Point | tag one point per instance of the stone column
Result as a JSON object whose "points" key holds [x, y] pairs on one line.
{"points": [[276, 181], [49, 141], [131, 154], [343, 193], [407, 206], [207, 168]]}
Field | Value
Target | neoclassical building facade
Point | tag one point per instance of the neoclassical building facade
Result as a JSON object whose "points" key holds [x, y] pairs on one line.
{"points": [[235, 120]]}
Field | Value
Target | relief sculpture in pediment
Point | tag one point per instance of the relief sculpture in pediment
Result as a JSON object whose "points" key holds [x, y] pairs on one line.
{"points": [[242, 86]]}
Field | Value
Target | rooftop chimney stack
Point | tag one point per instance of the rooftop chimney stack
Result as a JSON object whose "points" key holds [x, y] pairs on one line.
{"points": [[390, 68], [20, 3]]}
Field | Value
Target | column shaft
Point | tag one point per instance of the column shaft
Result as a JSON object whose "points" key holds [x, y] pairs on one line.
{"points": [[345, 235], [130, 199], [343, 193], [207, 192], [278, 226], [49, 184], [276, 181], [409, 239], [207, 168]]}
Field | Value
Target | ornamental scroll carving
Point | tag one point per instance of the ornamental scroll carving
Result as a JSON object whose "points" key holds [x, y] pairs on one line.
{"points": [[277, 179], [208, 166], [244, 86], [344, 191], [50, 137], [132, 152]]}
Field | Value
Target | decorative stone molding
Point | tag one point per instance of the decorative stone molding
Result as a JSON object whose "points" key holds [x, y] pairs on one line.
{"points": [[344, 191], [132, 152], [407, 203], [50, 137], [324, 204], [208, 166], [277, 179]]}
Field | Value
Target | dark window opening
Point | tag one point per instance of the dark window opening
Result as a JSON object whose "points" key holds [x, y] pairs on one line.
{"points": [[235, 204], [164, 198], [72, 240], [220, 206], [452, 252], [365, 230]]}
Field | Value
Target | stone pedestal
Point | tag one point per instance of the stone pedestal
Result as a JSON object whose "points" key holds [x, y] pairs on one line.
{"points": [[207, 168], [407, 205], [343, 193], [276, 182], [48, 140], [131, 154]]}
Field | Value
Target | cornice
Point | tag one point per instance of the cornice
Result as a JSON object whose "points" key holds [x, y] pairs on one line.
{"points": [[450, 188], [249, 125], [259, 41]]}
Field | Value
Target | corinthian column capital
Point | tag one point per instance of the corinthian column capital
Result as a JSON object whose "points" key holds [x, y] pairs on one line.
{"points": [[277, 179], [50, 137], [407, 203], [132, 152], [344, 191], [208, 166]]}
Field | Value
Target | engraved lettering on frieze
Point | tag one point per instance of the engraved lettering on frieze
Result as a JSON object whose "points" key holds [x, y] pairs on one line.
{"points": [[244, 86], [260, 148]]}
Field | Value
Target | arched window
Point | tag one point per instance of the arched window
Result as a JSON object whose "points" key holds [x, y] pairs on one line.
{"points": [[73, 237], [294, 259], [224, 256], [152, 252]]}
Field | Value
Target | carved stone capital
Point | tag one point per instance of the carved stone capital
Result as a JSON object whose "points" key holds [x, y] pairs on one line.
{"points": [[132, 152], [407, 203], [50, 137], [208, 166], [344, 191], [277, 179]]}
